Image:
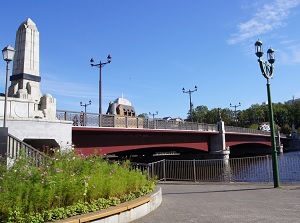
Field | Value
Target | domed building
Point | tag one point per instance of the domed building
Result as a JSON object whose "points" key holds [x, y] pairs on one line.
{"points": [[121, 106]]}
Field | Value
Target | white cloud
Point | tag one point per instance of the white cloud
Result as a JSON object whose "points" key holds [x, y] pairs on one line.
{"points": [[269, 17], [290, 53], [68, 89]]}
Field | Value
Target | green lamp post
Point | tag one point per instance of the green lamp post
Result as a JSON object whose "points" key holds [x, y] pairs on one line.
{"points": [[267, 70]]}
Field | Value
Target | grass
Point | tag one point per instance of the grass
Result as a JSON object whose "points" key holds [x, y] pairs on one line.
{"points": [[65, 186]]}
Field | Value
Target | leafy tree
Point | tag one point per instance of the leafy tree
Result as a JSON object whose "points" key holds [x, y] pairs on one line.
{"points": [[143, 115], [285, 115], [286, 129], [199, 113], [212, 116]]}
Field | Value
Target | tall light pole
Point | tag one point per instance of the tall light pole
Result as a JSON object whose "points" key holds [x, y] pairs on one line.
{"points": [[267, 70], [8, 55], [100, 65], [191, 104], [153, 114], [85, 105], [235, 106]]}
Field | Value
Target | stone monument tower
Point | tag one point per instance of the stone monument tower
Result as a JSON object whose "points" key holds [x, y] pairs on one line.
{"points": [[26, 74], [31, 116], [25, 79]]}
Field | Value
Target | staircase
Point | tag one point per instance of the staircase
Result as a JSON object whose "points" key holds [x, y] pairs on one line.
{"points": [[14, 147]]}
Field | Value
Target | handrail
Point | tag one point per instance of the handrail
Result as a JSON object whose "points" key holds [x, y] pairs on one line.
{"points": [[15, 145], [116, 121], [96, 120]]}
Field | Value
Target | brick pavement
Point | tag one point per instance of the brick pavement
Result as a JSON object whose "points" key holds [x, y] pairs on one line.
{"points": [[185, 202]]}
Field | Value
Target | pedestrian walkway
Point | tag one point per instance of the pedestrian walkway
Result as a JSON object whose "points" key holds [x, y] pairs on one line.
{"points": [[185, 202]]}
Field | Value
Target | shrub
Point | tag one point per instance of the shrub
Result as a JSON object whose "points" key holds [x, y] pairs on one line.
{"points": [[65, 186]]}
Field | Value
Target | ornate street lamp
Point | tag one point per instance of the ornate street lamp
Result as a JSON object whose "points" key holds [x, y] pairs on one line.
{"points": [[100, 65], [267, 70], [191, 104], [235, 106], [8, 55], [153, 114], [85, 105]]}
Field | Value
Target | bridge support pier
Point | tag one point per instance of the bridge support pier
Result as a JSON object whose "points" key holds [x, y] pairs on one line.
{"points": [[279, 147], [218, 148]]}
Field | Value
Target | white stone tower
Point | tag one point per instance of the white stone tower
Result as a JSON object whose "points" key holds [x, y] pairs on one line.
{"points": [[25, 79], [31, 116]]}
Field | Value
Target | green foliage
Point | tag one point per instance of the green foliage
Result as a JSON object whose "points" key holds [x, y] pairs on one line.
{"points": [[143, 115], [254, 126], [285, 115], [286, 129], [67, 185]]}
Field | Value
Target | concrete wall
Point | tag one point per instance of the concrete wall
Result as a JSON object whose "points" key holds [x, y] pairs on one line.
{"points": [[60, 131], [135, 213]]}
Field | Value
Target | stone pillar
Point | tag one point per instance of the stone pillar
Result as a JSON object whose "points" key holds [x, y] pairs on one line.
{"points": [[25, 78], [218, 148], [279, 147]]}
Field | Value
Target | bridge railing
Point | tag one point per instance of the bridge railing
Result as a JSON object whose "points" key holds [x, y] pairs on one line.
{"points": [[245, 130], [96, 120], [14, 147], [116, 121], [249, 131]]}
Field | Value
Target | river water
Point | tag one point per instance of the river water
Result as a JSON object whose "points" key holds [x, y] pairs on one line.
{"points": [[246, 169], [261, 169]]}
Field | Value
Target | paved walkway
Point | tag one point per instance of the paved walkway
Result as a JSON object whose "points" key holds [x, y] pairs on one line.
{"points": [[234, 202]]}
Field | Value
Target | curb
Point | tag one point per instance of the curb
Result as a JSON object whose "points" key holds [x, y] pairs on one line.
{"points": [[122, 213]]}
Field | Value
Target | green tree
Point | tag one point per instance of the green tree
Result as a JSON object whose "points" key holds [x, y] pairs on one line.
{"points": [[143, 115], [199, 114], [286, 129]]}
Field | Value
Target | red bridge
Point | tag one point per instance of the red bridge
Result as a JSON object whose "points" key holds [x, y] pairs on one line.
{"points": [[149, 142], [128, 136]]}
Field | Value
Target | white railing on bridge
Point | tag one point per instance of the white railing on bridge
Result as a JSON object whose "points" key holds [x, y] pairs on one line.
{"points": [[116, 121], [245, 130], [96, 120]]}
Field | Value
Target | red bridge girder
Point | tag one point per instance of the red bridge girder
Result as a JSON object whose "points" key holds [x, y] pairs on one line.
{"points": [[112, 140], [89, 140]]}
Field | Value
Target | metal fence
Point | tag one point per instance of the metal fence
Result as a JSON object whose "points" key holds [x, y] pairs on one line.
{"points": [[14, 147], [116, 121], [251, 169]]}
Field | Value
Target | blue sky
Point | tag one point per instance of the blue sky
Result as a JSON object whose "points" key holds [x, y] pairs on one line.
{"points": [[157, 48]]}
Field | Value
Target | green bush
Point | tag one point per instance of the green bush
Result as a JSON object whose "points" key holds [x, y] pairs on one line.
{"points": [[65, 186]]}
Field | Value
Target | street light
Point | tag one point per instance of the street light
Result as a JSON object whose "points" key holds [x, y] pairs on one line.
{"points": [[85, 105], [235, 106], [191, 104], [153, 114], [100, 65], [8, 55], [267, 70], [84, 115]]}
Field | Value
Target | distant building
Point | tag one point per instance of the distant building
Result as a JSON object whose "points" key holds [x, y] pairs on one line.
{"points": [[173, 119], [293, 100], [122, 107]]}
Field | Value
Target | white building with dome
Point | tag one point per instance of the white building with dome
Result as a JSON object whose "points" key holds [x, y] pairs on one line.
{"points": [[121, 106]]}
